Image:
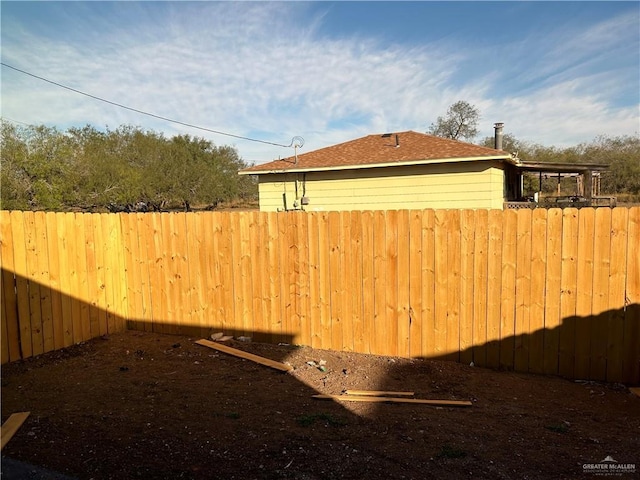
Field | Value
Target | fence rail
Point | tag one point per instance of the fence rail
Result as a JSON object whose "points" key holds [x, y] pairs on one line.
{"points": [[547, 290]]}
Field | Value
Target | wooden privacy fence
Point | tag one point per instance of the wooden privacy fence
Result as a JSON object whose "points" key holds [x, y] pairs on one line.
{"points": [[547, 291]]}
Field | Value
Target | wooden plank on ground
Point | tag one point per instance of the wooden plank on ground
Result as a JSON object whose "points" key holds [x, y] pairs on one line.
{"points": [[246, 355], [379, 393], [354, 398], [11, 426]]}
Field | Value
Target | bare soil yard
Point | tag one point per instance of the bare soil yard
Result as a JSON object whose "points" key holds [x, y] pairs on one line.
{"points": [[150, 406]]}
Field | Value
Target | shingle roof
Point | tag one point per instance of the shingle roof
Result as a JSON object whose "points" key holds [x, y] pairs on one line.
{"points": [[382, 150]]}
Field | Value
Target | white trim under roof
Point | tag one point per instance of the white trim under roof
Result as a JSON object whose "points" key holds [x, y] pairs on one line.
{"points": [[509, 159]]}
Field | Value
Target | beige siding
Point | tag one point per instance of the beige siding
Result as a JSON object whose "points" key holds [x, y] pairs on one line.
{"points": [[452, 185]]}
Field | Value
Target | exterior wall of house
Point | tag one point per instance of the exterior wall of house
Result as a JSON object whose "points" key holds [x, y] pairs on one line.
{"points": [[474, 184]]}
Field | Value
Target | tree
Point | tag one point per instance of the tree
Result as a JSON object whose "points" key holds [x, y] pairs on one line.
{"points": [[461, 122]]}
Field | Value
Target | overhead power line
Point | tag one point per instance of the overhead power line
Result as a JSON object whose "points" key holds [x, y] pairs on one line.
{"points": [[293, 141]]}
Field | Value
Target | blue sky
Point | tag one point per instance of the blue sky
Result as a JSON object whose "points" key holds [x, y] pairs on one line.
{"points": [[556, 73]]}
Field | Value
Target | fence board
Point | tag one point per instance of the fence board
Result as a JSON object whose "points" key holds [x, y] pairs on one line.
{"points": [[584, 292], [538, 269], [415, 283], [523, 290], [441, 243], [35, 286], [346, 323], [480, 286], [274, 320], [631, 342], [428, 315], [368, 297], [467, 284], [93, 284], [552, 289], [508, 292], [453, 285], [402, 309], [600, 302], [10, 331], [354, 282], [617, 279], [494, 287], [379, 286], [324, 279], [569, 278], [389, 332], [303, 265], [64, 253]]}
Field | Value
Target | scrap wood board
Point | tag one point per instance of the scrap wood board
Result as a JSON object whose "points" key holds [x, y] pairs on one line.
{"points": [[361, 398], [246, 355], [11, 426], [379, 393]]}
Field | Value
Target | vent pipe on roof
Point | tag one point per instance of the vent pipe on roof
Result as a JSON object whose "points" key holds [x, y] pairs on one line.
{"points": [[498, 135], [397, 141]]}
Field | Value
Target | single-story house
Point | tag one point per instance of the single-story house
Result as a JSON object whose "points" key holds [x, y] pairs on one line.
{"points": [[389, 171]]}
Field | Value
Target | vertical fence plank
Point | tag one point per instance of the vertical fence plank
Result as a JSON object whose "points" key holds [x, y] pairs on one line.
{"points": [[354, 281], [631, 342], [101, 283], [441, 246], [453, 285], [304, 295], [566, 352], [82, 278], [35, 286], [379, 285], [283, 258], [314, 280], [617, 277], [43, 279], [368, 274], [600, 298], [494, 287], [523, 290], [324, 279], [258, 247], [467, 284], [206, 298], [64, 252], [584, 291], [335, 279], [508, 293], [538, 275], [428, 314], [11, 331], [93, 283], [390, 336], [415, 283], [553, 286], [402, 304], [195, 240], [480, 281], [153, 227], [274, 292], [345, 282], [22, 283]]}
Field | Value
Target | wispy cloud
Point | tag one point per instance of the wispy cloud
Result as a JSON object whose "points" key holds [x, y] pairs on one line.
{"points": [[263, 69]]}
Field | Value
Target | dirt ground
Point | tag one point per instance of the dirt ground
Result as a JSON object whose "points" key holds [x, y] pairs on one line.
{"points": [[150, 406]]}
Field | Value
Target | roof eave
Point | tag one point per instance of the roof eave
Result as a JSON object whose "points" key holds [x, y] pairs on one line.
{"points": [[507, 158]]}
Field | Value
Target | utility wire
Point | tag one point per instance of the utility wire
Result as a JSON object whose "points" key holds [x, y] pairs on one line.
{"points": [[145, 113]]}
